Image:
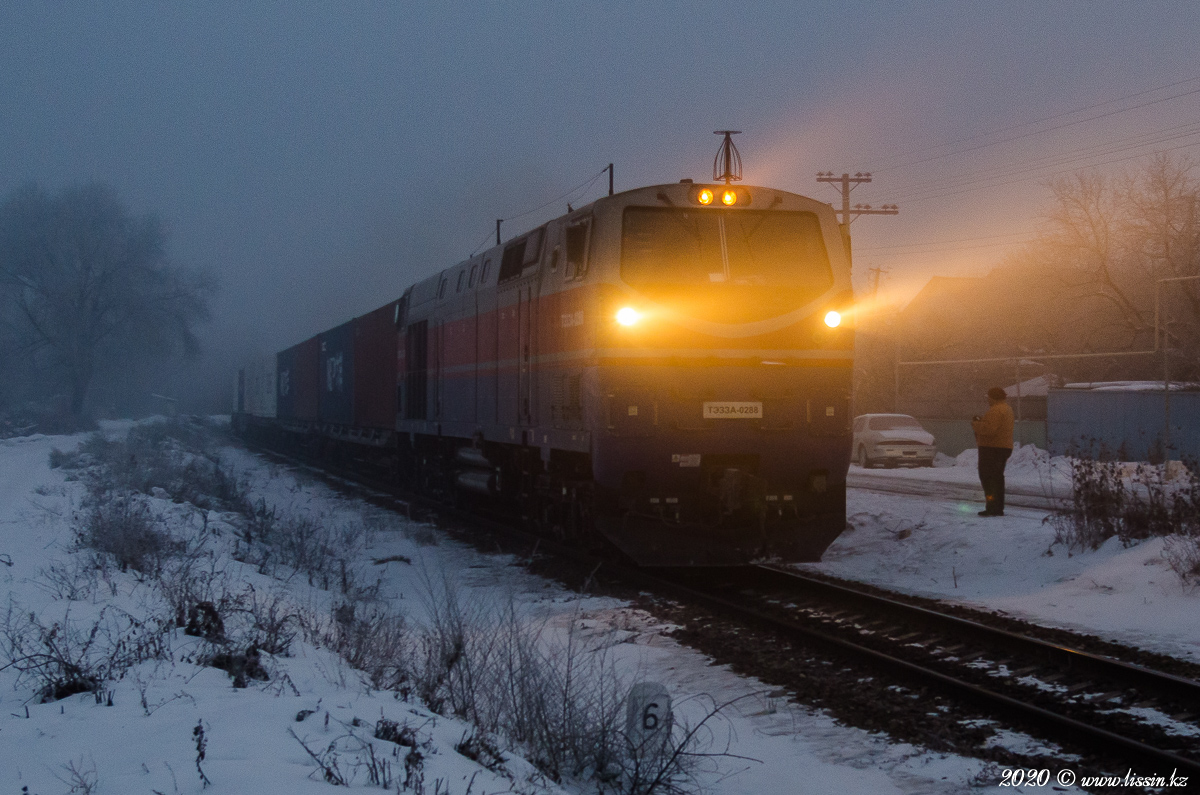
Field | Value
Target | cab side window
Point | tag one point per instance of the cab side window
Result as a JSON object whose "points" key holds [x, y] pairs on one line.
{"points": [[577, 247]]}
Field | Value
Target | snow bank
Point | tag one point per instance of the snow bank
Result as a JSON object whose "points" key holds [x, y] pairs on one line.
{"points": [[263, 738]]}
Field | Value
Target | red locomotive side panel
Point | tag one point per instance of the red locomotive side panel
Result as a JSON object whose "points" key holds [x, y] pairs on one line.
{"points": [[375, 342]]}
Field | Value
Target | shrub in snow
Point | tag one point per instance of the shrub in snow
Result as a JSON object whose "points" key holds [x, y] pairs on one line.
{"points": [[172, 455], [558, 697], [74, 655], [561, 701], [373, 640], [80, 776], [121, 525], [1131, 502], [1183, 556]]}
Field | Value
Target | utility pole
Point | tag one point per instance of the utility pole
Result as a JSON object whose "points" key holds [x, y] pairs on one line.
{"points": [[846, 183], [876, 273]]}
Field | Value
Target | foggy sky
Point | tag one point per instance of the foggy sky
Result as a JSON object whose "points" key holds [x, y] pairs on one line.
{"points": [[319, 157]]}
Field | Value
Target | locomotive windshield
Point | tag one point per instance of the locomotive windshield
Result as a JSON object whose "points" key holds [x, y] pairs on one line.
{"points": [[730, 266]]}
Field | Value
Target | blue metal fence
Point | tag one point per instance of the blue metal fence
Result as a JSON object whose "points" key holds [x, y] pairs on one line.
{"points": [[1124, 425]]}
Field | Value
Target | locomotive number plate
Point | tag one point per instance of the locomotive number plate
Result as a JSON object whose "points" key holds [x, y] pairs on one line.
{"points": [[733, 410]]}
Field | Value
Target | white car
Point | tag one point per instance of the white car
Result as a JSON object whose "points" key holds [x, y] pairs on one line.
{"points": [[892, 440]]}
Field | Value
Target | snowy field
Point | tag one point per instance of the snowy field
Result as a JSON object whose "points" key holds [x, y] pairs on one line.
{"points": [[938, 547], [143, 732]]}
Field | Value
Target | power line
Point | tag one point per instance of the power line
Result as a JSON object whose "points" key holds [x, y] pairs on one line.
{"points": [[960, 151], [944, 242], [1051, 117], [1140, 140], [581, 187], [1053, 174], [899, 254]]}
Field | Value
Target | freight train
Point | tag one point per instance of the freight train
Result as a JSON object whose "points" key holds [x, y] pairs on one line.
{"points": [[666, 370]]}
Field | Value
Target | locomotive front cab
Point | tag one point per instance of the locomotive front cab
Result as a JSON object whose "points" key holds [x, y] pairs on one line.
{"points": [[723, 378]]}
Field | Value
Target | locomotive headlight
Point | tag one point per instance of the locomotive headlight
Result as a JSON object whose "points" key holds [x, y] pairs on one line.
{"points": [[627, 316], [728, 198], [833, 319], [705, 196]]}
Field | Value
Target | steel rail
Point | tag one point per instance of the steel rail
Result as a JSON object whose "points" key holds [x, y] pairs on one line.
{"points": [[1168, 685], [1007, 705]]}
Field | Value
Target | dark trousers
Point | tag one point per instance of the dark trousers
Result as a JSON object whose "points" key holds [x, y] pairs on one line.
{"points": [[991, 476]]}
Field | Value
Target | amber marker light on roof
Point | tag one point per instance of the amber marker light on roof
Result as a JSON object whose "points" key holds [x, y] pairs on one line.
{"points": [[705, 196], [729, 197], [627, 316], [833, 319]]}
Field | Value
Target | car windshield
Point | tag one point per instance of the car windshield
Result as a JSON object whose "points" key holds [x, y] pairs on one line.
{"points": [[894, 423]]}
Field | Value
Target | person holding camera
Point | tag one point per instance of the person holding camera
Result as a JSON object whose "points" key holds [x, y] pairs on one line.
{"points": [[994, 438]]}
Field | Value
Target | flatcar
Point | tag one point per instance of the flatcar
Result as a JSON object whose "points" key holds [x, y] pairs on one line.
{"points": [[663, 370]]}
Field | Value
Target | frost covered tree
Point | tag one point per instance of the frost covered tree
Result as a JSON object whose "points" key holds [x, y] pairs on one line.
{"points": [[83, 283], [1085, 286], [1112, 240]]}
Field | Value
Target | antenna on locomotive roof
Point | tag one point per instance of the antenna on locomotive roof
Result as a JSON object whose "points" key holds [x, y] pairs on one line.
{"points": [[727, 165]]}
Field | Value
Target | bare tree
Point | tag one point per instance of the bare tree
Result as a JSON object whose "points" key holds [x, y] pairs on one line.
{"points": [[1162, 227], [1114, 239], [82, 281], [1085, 234]]}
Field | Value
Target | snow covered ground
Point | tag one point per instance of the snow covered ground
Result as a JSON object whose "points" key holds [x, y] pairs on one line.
{"points": [[147, 739], [934, 544]]}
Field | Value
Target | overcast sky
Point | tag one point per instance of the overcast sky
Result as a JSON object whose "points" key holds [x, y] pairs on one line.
{"points": [[319, 157]]}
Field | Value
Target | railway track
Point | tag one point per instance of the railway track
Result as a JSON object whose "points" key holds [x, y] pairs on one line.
{"points": [[1099, 707], [1016, 495], [1057, 692]]}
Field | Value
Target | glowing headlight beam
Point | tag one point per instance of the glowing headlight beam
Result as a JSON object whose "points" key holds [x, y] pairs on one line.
{"points": [[627, 316], [833, 319], [705, 196], [728, 198]]}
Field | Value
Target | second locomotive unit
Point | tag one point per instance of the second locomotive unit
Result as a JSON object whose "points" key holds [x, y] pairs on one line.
{"points": [[667, 368]]}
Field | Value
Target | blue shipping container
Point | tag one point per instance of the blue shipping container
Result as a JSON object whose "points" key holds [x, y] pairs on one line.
{"points": [[337, 375]]}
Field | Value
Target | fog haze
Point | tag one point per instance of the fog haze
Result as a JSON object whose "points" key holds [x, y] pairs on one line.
{"points": [[319, 157]]}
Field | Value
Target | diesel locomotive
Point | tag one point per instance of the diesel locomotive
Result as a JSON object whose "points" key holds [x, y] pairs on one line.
{"points": [[667, 369]]}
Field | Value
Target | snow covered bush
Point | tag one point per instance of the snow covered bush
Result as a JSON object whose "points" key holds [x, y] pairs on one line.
{"points": [[171, 455], [1098, 499], [1183, 556], [560, 699], [78, 655], [556, 695], [121, 525], [374, 640], [1132, 502]]}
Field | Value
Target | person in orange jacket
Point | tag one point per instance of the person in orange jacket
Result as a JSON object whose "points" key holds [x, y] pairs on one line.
{"points": [[994, 438]]}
